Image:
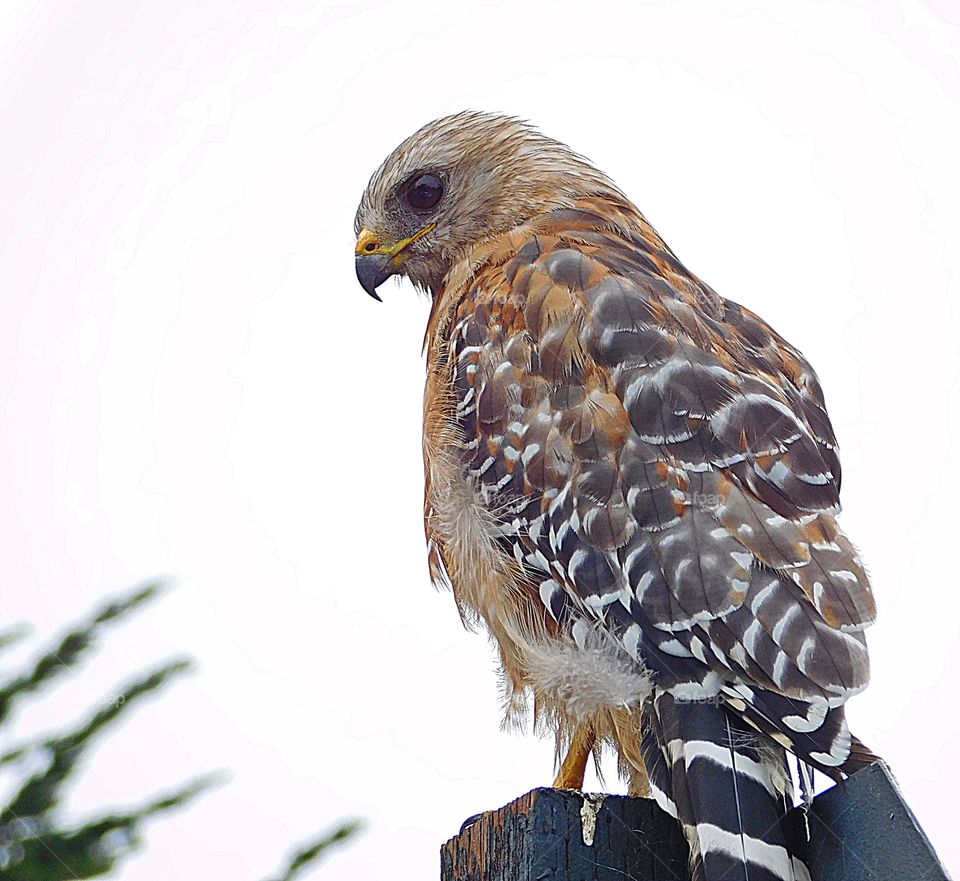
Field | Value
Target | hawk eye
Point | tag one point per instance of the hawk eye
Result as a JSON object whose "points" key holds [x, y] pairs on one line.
{"points": [[424, 191]]}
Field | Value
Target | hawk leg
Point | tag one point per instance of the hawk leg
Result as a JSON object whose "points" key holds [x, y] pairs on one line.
{"points": [[628, 736], [639, 781], [574, 765]]}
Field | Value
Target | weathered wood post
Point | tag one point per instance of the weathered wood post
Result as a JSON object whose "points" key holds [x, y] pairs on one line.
{"points": [[861, 830]]}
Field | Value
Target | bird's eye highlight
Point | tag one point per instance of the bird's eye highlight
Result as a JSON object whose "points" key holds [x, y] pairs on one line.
{"points": [[424, 192]]}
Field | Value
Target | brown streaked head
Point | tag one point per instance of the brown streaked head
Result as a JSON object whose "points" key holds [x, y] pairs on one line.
{"points": [[456, 182]]}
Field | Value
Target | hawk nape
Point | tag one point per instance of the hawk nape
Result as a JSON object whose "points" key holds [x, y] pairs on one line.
{"points": [[630, 481]]}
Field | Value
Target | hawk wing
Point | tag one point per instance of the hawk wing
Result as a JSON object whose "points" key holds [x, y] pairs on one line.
{"points": [[660, 460]]}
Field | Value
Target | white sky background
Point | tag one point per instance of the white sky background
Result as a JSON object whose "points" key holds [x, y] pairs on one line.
{"points": [[194, 385]]}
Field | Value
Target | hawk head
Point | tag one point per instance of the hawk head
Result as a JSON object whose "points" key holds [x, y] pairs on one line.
{"points": [[457, 181]]}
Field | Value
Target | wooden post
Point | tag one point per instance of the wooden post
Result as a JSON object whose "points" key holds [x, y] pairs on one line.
{"points": [[562, 835], [861, 830]]}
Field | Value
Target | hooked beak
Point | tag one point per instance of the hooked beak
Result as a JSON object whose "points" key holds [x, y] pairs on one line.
{"points": [[373, 270], [376, 262]]}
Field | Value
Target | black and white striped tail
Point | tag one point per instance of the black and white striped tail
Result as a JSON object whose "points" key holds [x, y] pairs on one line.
{"points": [[728, 791]]}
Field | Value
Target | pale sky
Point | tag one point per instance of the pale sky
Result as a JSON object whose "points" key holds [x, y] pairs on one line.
{"points": [[194, 385]]}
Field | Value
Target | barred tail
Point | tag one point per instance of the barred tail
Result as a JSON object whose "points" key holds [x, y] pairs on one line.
{"points": [[728, 791]]}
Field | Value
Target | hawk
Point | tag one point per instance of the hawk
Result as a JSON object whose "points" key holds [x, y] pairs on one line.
{"points": [[631, 482]]}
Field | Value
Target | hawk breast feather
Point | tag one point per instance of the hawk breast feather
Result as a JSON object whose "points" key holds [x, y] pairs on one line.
{"points": [[659, 464]]}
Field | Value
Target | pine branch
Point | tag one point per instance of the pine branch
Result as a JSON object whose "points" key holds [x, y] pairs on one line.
{"points": [[69, 650], [93, 849], [41, 792], [310, 854]]}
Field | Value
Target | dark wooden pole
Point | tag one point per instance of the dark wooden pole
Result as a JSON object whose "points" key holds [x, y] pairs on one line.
{"points": [[861, 830], [561, 835]]}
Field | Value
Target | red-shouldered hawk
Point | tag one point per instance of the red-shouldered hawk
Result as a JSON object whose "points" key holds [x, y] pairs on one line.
{"points": [[630, 481]]}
